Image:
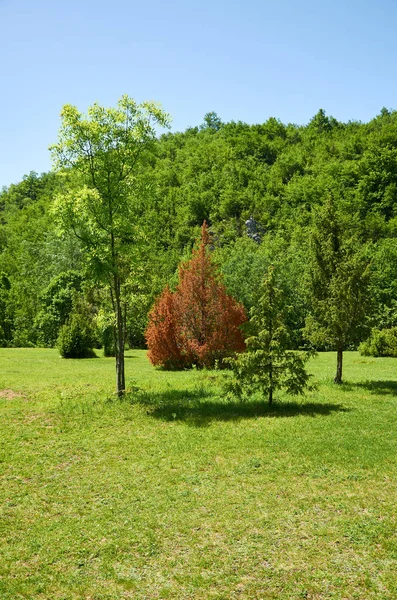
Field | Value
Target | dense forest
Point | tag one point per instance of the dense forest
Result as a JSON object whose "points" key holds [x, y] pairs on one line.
{"points": [[267, 192]]}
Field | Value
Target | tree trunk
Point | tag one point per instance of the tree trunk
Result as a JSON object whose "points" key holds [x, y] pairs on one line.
{"points": [[339, 362], [120, 372]]}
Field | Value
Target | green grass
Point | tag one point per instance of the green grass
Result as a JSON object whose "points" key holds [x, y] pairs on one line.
{"points": [[174, 493]]}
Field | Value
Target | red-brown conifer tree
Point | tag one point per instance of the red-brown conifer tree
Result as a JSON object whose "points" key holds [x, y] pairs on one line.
{"points": [[161, 333], [200, 319]]}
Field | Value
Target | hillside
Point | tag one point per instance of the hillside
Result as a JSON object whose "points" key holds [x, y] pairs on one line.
{"points": [[223, 173]]}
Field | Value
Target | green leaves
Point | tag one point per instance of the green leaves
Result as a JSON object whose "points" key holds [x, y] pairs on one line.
{"points": [[339, 281], [86, 140], [103, 191]]}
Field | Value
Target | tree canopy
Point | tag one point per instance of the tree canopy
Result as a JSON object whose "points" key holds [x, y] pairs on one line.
{"points": [[164, 187]]}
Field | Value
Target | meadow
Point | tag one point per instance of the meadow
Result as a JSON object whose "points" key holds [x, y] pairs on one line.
{"points": [[173, 492]]}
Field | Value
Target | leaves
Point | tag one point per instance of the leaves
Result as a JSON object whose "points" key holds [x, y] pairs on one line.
{"points": [[339, 281]]}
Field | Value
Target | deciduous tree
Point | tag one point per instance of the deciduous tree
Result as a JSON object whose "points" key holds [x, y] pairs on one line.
{"points": [[101, 154]]}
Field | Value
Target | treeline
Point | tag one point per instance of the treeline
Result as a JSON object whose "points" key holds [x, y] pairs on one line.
{"points": [[261, 189]]}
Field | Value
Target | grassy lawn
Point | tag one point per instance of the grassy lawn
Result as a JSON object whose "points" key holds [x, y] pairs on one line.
{"points": [[178, 494]]}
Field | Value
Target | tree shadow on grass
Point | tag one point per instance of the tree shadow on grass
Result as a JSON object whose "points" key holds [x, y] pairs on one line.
{"points": [[195, 409], [381, 388]]}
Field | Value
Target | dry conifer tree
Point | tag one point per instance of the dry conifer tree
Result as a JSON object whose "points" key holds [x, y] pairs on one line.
{"points": [[161, 333], [198, 324]]}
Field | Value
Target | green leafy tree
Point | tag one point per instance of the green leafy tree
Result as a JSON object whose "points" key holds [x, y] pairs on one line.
{"points": [[212, 121], [268, 364], [243, 263], [103, 194], [57, 304], [31, 252], [338, 283]]}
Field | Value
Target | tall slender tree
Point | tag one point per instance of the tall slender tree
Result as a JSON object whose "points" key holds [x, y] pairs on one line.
{"points": [[338, 283], [100, 154]]}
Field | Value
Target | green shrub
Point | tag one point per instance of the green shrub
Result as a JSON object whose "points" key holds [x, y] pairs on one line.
{"points": [[57, 303], [104, 322], [381, 342], [76, 339], [108, 341]]}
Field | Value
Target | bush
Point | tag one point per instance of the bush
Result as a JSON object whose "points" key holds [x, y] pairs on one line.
{"points": [[76, 339], [57, 303], [109, 348], [382, 342]]}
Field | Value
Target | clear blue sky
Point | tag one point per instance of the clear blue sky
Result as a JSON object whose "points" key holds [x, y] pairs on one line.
{"points": [[246, 60]]}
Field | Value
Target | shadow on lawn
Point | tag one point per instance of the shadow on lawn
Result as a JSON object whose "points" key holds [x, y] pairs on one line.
{"points": [[194, 409], [383, 388]]}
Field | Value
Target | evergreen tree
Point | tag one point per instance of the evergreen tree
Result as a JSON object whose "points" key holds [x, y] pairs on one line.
{"points": [[338, 283], [268, 364], [198, 324]]}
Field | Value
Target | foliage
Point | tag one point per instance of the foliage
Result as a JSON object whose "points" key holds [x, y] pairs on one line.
{"points": [[200, 323], [384, 283], [76, 338], [151, 271], [104, 321], [6, 320], [338, 284], [381, 342], [31, 254], [162, 334], [108, 335], [280, 174], [268, 365], [103, 193], [244, 263], [57, 304]]}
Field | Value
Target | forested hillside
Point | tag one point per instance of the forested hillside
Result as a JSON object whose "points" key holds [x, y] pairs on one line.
{"points": [[277, 177]]}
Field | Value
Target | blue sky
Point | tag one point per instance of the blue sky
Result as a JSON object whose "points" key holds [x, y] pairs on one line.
{"points": [[246, 60]]}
